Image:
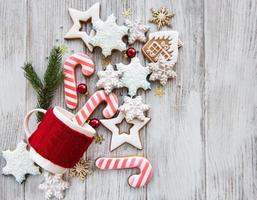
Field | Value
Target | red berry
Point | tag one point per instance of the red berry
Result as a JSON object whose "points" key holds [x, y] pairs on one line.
{"points": [[95, 123], [82, 88], [131, 52]]}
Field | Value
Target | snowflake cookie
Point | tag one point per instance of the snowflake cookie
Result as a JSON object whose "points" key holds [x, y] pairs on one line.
{"points": [[136, 31], [134, 108], [19, 163], [53, 186], [134, 76], [109, 79], [108, 35], [162, 70]]}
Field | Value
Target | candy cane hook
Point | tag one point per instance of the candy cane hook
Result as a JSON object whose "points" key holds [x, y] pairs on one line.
{"points": [[136, 181], [88, 68], [97, 98]]}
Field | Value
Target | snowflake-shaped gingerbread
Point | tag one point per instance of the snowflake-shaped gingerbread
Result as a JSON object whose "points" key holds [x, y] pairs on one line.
{"points": [[162, 70], [134, 108], [19, 163], [53, 186], [109, 79], [108, 35], [136, 31], [134, 76]]}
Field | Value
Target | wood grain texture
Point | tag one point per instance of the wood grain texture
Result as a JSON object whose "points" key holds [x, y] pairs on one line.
{"points": [[230, 44], [201, 139]]}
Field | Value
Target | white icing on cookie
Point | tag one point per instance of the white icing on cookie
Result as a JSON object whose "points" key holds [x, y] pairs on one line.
{"points": [[134, 76], [118, 138], [137, 31], [162, 70], [134, 108], [108, 35], [82, 16], [109, 79]]}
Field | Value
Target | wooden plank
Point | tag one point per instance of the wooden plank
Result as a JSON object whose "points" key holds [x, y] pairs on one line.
{"points": [[12, 55], [46, 30], [230, 33], [175, 137], [113, 184]]}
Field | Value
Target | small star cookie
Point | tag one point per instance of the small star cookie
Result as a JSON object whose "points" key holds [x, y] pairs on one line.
{"points": [[134, 76], [134, 108], [136, 31], [19, 163], [53, 186], [120, 138], [108, 35], [162, 70], [77, 17], [109, 79]]}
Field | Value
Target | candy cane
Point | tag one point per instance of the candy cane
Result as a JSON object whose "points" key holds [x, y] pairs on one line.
{"points": [[136, 181], [88, 68], [97, 98]]}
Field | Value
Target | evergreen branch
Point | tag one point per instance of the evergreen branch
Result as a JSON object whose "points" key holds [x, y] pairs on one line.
{"points": [[32, 76], [53, 77]]}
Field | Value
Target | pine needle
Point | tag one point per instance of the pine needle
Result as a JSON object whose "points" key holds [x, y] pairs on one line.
{"points": [[52, 78]]}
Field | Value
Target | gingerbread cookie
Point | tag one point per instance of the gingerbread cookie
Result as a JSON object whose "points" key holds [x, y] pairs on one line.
{"points": [[118, 138], [77, 17], [129, 162], [163, 43]]}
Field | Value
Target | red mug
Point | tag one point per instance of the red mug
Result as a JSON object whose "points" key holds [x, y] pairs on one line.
{"points": [[58, 143]]}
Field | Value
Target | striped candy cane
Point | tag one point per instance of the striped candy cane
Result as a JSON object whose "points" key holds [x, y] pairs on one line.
{"points": [[88, 68], [97, 98], [136, 181]]}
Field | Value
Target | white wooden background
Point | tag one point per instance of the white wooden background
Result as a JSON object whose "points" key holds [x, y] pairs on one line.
{"points": [[202, 139]]}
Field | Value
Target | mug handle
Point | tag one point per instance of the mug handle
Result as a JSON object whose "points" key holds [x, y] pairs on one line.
{"points": [[26, 120]]}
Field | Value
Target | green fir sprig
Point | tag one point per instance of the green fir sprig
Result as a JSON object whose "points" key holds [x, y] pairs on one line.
{"points": [[52, 78]]}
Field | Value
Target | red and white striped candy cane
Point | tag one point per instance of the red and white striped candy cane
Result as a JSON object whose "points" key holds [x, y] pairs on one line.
{"points": [[70, 89], [136, 181], [97, 98]]}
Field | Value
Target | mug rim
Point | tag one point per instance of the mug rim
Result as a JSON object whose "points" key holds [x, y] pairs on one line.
{"points": [[66, 116]]}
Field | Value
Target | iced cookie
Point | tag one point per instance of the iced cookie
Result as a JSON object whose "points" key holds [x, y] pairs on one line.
{"points": [[134, 76], [119, 138], [77, 17], [163, 43], [134, 108], [108, 35], [137, 31]]}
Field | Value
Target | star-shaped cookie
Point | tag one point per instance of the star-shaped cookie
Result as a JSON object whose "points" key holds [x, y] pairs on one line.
{"points": [[136, 31], [77, 17], [134, 108], [19, 163], [53, 186], [134, 76], [109, 79], [108, 35], [118, 138], [162, 70]]}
